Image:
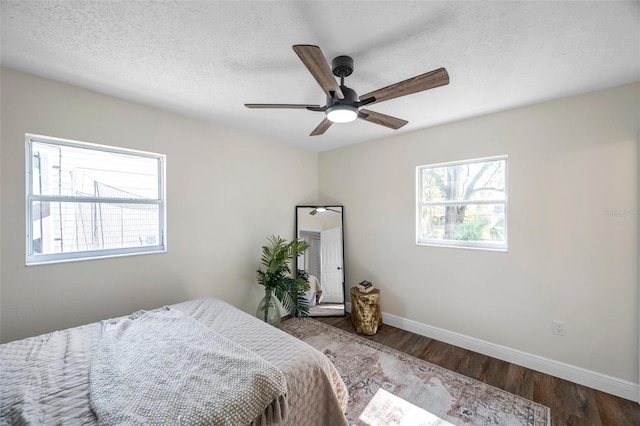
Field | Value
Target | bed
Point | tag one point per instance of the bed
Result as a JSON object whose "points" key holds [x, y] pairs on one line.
{"points": [[47, 379]]}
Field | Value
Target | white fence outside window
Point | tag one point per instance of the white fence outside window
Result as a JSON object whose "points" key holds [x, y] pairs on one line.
{"points": [[89, 201]]}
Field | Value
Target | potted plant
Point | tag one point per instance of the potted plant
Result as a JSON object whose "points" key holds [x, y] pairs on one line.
{"points": [[275, 276]]}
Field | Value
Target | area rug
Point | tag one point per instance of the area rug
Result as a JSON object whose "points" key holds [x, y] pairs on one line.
{"points": [[389, 387]]}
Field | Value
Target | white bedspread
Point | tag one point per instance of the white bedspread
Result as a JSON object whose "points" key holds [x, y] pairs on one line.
{"points": [[45, 379], [211, 379]]}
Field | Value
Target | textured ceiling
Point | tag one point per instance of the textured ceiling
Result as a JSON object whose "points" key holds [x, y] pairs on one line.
{"points": [[206, 59]]}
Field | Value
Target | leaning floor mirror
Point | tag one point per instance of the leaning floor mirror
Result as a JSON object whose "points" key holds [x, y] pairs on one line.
{"points": [[323, 261]]}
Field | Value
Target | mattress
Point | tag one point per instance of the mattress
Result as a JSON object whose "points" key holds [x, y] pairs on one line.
{"points": [[45, 379]]}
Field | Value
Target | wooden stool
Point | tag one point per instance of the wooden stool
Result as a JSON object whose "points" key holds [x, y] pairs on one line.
{"points": [[366, 316]]}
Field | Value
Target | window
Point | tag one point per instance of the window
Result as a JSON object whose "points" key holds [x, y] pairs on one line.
{"points": [[87, 201], [463, 204]]}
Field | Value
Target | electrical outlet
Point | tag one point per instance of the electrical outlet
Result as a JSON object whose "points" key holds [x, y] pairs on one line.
{"points": [[559, 328]]}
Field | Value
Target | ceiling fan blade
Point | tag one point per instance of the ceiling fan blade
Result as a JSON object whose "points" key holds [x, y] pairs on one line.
{"points": [[322, 127], [382, 119], [426, 81], [312, 57], [287, 106]]}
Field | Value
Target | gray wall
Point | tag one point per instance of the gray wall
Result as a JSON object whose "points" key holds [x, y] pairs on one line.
{"points": [[226, 192]]}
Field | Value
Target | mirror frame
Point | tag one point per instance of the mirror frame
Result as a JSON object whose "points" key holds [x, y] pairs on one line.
{"points": [[344, 274]]}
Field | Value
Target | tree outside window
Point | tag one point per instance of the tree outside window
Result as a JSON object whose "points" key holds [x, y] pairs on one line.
{"points": [[463, 204]]}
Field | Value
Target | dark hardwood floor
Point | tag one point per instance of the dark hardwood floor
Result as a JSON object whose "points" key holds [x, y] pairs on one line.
{"points": [[570, 403]]}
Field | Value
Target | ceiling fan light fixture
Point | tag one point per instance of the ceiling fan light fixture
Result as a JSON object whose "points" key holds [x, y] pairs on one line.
{"points": [[341, 113]]}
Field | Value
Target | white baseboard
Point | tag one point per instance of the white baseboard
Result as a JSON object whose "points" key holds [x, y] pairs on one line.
{"points": [[592, 379]]}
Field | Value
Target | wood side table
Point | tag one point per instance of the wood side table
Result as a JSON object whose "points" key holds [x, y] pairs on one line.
{"points": [[366, 316]]}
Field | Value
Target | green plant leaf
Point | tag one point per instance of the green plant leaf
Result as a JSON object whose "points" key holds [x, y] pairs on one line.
{"points": [[275, 274]]}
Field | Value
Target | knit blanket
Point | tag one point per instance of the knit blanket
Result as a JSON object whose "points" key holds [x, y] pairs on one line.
{"points": [[164, 367]]}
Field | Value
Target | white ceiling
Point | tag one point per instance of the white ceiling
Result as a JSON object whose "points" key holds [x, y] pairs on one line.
{"points": [[207, 58]]}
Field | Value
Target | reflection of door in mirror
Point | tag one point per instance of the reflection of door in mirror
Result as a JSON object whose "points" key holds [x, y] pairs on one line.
{"points": [[331, 269], [321, 228]]}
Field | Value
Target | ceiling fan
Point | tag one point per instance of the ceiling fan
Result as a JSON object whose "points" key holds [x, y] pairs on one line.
{"points": [[343, 103]]}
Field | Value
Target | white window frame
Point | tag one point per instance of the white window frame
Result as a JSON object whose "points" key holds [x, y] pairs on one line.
{"points": [[39, 259], [483, 245]]}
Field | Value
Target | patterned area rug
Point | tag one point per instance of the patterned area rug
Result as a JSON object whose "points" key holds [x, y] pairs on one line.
{"points": [[388, 387]]}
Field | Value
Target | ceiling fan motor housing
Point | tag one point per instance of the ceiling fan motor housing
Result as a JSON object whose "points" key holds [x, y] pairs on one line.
{"points": [[350, 97]]}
